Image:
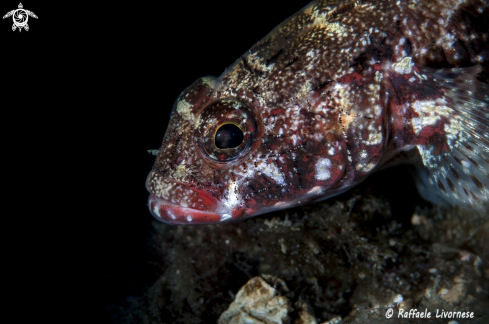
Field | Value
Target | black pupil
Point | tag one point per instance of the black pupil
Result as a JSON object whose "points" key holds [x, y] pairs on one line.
{"points": [[228, 136]]}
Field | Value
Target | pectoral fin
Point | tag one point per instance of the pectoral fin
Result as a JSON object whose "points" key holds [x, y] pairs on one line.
{"points": [[457, 170]]}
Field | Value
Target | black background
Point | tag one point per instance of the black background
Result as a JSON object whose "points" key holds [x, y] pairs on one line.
{"points": [[86, 92]]}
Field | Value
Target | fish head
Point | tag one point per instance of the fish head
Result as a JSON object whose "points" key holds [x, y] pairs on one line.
{"points": [[328, 97], [228, 157]]}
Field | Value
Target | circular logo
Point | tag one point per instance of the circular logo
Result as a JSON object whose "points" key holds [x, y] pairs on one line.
{"points": [[389, 313], [20, 17]]}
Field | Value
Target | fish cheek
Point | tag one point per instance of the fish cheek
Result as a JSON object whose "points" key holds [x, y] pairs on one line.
{"points": [[309, 174], [329, 164]]}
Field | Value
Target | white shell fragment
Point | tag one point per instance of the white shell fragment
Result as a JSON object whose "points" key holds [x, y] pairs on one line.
{"points": [[257, 302]]}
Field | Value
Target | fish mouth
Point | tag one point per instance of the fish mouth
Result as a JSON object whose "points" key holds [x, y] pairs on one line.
{"points": [[170, 213], [176, 202]]}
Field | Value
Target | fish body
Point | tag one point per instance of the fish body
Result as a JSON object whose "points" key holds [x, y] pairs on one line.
{"points": [[334, 93]]}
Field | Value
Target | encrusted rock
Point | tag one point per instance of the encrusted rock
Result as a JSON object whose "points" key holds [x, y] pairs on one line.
{"points": [[258, 302], [334, 320], [306, 313]]}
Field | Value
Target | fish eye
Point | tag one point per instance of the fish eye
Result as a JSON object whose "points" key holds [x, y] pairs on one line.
{"points": [[226, 130], [228, 136]]}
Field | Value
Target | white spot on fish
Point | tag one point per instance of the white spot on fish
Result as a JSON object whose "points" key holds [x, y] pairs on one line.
{"points": [[404, 66], [322, 169], [465, 164], [374, 138], [294, 139], [225, 217], [156, 211], [273, 172], [183, 108], [171, 214], [429, 113], [232, 199]]}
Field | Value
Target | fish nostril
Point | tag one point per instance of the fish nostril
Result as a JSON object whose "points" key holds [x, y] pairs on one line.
{"points": [[180, 160]]}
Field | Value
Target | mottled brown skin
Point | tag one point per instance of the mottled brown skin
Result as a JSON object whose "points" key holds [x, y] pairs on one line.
{"points": [[326, 95]]}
